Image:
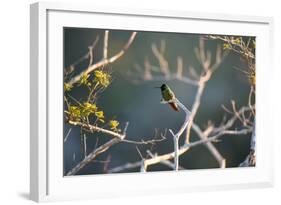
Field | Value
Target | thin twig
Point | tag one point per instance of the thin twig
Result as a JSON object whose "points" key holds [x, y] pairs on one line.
{"points": [[231, 121], [85, 144], [125, 167], [171, 77], [104, 62], [250, 99], [67, 135], [179, 67], [144, 142], [139, 152], [163, 63], [84, 57], [91, 55], [105, 44]]}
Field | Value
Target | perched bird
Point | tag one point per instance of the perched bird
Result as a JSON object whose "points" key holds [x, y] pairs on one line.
{"points": [[168, 95]]}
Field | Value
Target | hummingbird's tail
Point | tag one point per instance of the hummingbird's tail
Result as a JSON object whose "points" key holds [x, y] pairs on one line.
{"points": [[174, 106]]}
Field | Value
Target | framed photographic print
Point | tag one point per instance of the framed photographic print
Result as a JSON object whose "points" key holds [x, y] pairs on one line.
{"points": [[129, 102]]}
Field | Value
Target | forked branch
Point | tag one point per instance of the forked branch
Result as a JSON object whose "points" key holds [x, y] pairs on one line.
{"points": [[97, 152], [179, 133]]}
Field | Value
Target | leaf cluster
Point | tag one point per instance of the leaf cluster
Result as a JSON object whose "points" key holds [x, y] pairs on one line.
{"points": [[88, 111]]}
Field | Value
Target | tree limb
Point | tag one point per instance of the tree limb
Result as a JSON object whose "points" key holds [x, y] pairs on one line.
{"points": [[97, 152]]}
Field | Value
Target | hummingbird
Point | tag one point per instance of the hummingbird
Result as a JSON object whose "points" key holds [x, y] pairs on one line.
{"points": [[168, 95]]}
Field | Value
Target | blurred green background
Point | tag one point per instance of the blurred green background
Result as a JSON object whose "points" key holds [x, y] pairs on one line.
{"points": [[139, 104]]}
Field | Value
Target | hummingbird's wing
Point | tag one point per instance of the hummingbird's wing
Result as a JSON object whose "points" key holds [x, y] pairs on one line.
{"points": [[174, 106]]}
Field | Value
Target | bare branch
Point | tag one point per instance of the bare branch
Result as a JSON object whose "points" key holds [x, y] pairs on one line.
{"points": [[231, 121], [125, 128], [97, 152], [236, 47], [175, 77], [139, 152], [143, 166], [104, 62], [163, 63], [67, 135], [162, 68], [147, 76], [251, 158], [147, 70], [194, 109], [184, 148], [91, 55], [165, 162], [105, 44], [176, 150], [162, 46], [85, 144], [125, 166], [175, 136], [179, 67], [92, 128], [84, 57], [203, 136], [250, 99], [187, 115], [92, 156], [215, 137], [139, 164], [179, 133], [214, 134], [144, 142]]}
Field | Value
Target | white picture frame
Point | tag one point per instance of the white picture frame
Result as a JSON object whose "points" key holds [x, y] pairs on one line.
{"points": [[46, 179]]}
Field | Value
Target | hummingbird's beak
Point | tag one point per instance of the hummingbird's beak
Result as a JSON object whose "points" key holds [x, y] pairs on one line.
{"points": [[157, 87]]}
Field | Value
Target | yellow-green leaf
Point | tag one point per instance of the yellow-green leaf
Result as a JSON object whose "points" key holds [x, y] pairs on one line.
{"points": [[74, 113], [84, 79], [237, 41], [67, 86], [102, 78], [88, 109], [113, 124], [99, 114], [226, 46]]}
